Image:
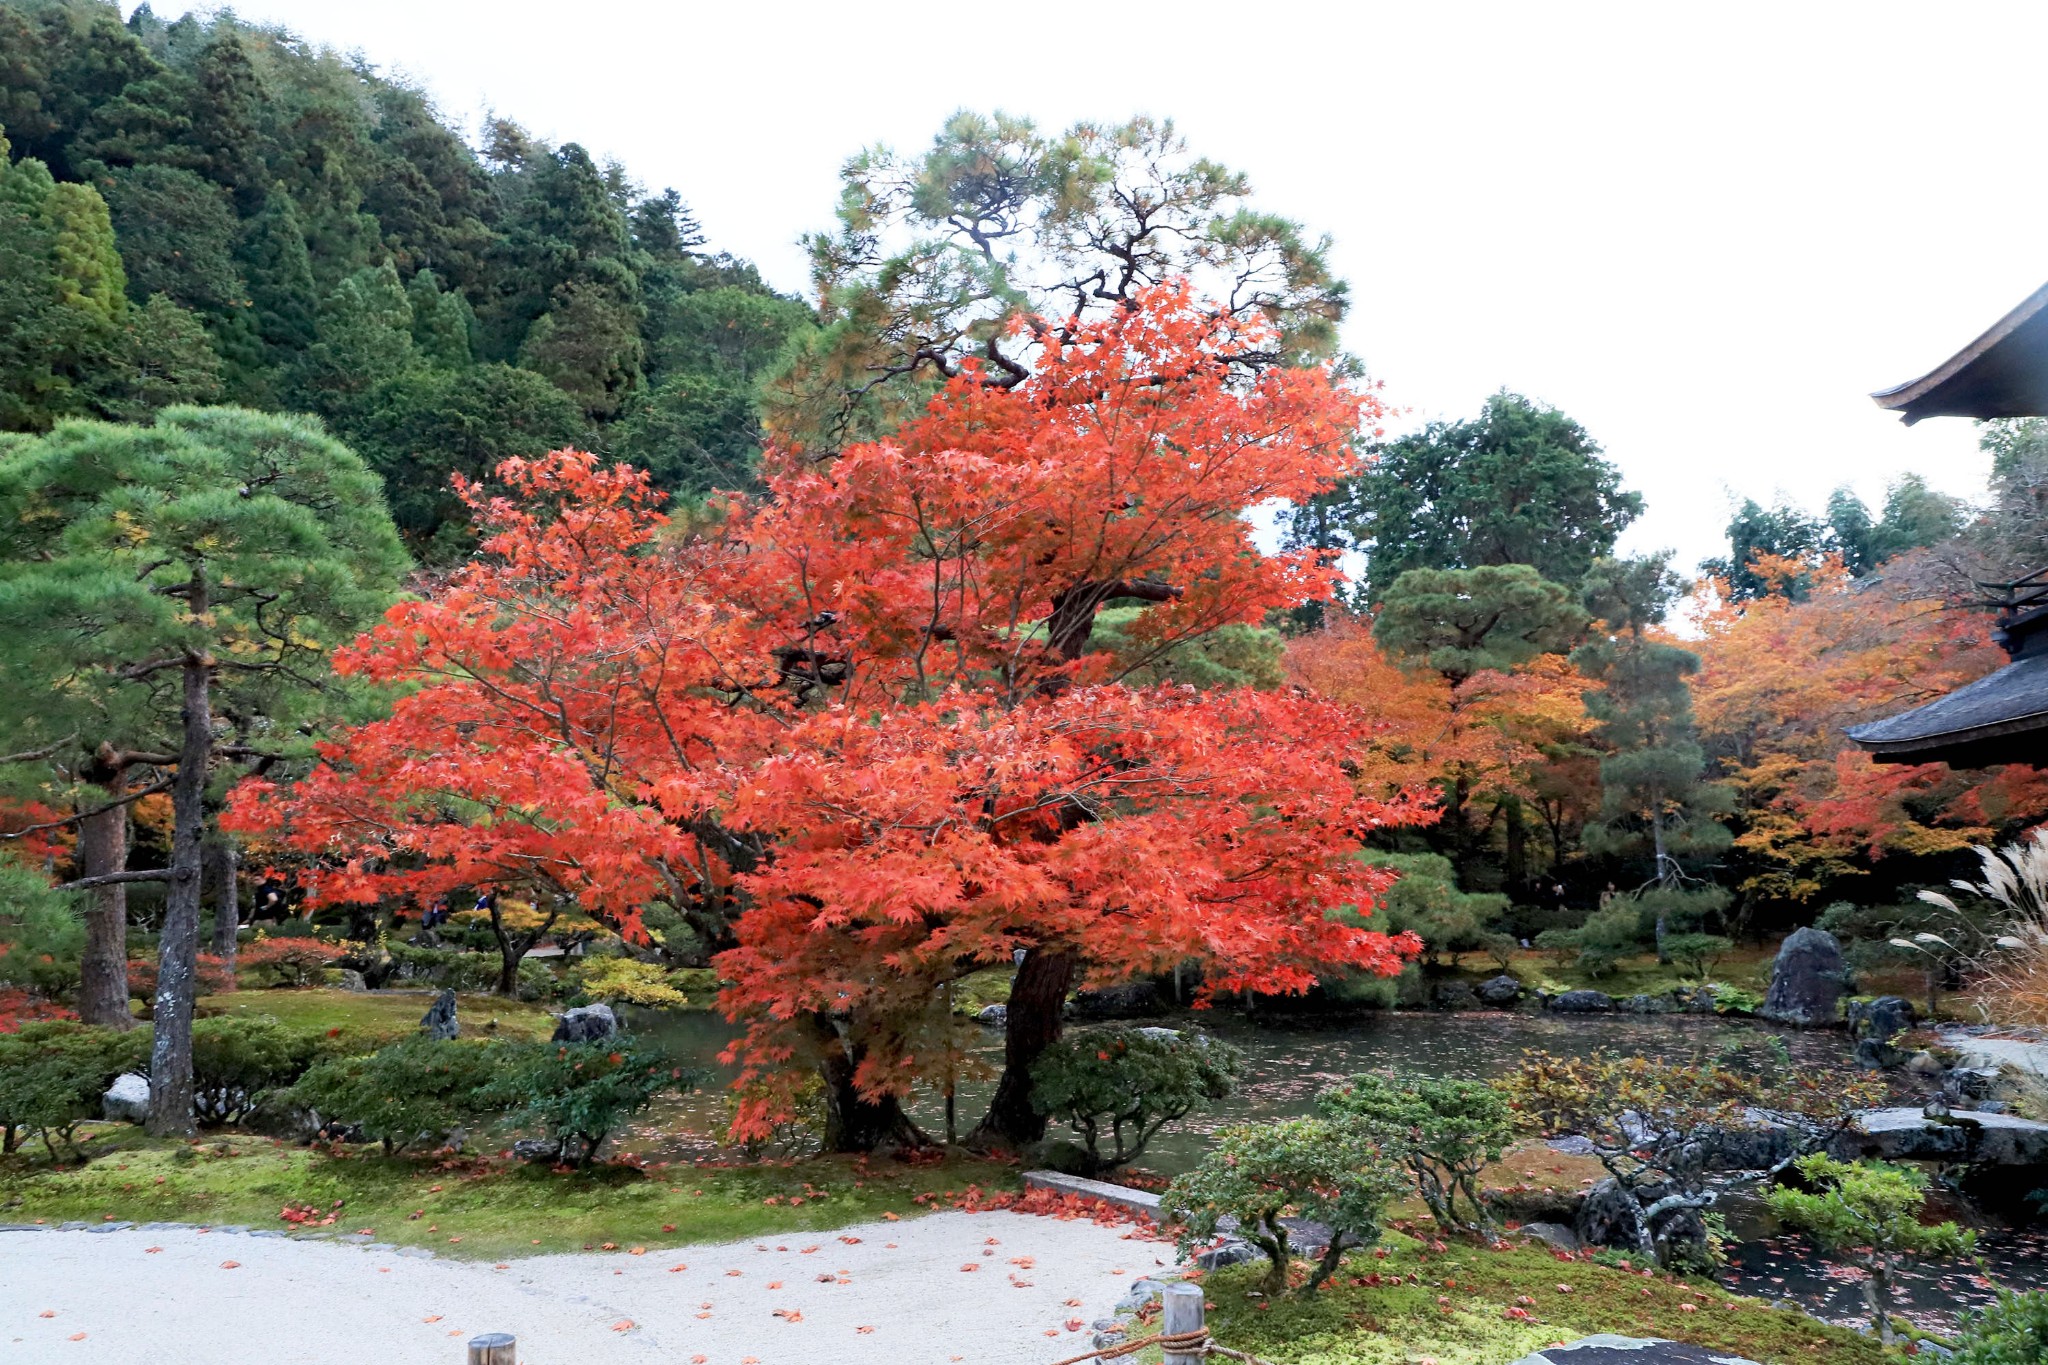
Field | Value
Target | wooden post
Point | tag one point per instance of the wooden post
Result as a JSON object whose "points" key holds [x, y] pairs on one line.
{"points": [[1184, 1313], [493, 1348]]}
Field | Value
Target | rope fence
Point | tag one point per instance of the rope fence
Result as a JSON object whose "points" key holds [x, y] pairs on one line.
{"points": [[1183, 1337]]}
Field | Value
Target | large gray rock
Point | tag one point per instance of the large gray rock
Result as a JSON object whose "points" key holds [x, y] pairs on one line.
{"points": [[349, 979], [1874, 1054], [1609, 1216], [439, 1021], [1609, 1349], [1882, 1019], [1556, 1234], [1645, 1004], [995, 1016], [1582, 1002], [1499, 991], [1806, 980], [1454, 995], [586, 1024], [126, 1100], [1975, 1137]]}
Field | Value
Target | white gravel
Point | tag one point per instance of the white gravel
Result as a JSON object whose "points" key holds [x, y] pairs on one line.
{"points": [[163, 1297]]}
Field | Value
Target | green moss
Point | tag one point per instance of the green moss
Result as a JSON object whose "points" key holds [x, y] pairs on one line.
{"points": [[1456, 1312], [369, 1019], [977, 991], [466, 1207]]}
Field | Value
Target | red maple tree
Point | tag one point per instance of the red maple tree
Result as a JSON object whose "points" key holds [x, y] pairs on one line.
{"points": [[863, 714]]}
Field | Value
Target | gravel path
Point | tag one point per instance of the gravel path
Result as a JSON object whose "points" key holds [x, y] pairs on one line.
{"points": [[877, 1294]]}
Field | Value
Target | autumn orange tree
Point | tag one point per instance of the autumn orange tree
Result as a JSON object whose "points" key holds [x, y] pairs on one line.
{"points": [[864, 714], [1781, 680]]}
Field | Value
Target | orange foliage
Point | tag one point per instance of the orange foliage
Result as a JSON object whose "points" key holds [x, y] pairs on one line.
{"points": [[1779, 683], [879, 673], [1491, 731]]}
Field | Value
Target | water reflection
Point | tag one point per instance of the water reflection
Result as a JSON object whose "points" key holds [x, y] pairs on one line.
{"points": [[1286, 1065]]}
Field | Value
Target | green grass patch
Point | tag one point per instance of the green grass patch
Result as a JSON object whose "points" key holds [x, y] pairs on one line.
{"points": [[976, 991], [365, 1020], [1455, 1311], [1745, 966], [470, 1207]]}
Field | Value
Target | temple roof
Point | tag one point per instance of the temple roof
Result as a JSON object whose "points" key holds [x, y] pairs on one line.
{"points": [[2003, 373], [2000, 718]]}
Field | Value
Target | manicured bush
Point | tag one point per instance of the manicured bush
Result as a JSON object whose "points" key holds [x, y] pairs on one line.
{"points": [[1123, 1085], [240, 1064], [1869, 1210], [52, 1077], [404, 1093], [624, 980], [1260, 1173], [1444, 1131], [579, 1093], [2012, 1331], [1697, 953]]}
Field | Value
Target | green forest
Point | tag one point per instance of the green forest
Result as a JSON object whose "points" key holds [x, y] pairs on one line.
{"points": [[207, 212]]}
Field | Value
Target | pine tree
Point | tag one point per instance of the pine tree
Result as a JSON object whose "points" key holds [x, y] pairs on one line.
{"points": [[222, 550], [1655, 802]]}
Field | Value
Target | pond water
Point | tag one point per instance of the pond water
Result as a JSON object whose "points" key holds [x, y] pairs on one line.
{"points": [[1287, 1063]]}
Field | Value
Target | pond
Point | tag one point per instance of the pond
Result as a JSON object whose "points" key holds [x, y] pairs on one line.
{"points": [[1289, 1062], [1286, 1064]]}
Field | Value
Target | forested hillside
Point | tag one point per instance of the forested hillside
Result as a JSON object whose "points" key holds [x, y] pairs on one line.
{"points": [[205, 211]]}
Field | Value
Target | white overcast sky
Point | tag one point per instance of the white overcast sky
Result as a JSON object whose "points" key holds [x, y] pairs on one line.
{"points": [[1706, 231]]}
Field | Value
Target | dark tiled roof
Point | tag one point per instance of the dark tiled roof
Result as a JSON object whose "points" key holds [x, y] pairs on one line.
{"points": [[2003, 373], [2006, 711]]}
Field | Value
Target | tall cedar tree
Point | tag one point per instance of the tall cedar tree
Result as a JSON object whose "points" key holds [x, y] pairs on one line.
{"points": [[883, 671], [205, 565]]}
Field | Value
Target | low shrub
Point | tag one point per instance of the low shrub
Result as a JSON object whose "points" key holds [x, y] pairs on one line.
{"points": [[238, 1065], [1444, 1131], [53, 1075], [1125, 1084], [404, 1093], [1260, 1173], [579, 1093], [2012, 1331]]}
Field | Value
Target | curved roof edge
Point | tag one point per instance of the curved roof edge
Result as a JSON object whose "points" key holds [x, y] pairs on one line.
{"points": [[2003, 373]]}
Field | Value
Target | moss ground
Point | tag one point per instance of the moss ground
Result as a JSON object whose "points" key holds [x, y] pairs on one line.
{"points": [[1459, 1307], [371, 1018], [469, 1207]]}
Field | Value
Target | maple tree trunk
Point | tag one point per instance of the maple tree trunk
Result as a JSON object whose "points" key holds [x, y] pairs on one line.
{"points": [[1038, 999], [102, 849], [1517, 861], [170, 1055], [853, 1122]]}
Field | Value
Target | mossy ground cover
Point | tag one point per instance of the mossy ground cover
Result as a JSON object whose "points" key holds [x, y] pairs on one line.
{"points": [[1468, 1305], [467, 1206], [1746, 966], [368, 1019]]}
